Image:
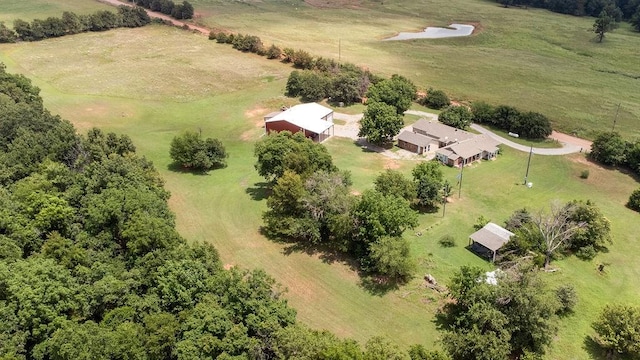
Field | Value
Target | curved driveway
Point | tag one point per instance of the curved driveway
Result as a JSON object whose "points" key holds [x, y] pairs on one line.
{"points": [[350, 129], [570, 144]]}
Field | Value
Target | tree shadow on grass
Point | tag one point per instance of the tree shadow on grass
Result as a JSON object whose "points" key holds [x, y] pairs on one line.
{"points": [[377, 285], [595, 351], [368, 147], [259, 191], [175, 167]]}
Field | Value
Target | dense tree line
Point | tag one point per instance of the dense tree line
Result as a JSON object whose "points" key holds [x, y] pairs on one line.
{"points": [[311, 203], [326, 79], [168, 7], [318, 78], [609, 148], [623, 9], [92, 267], [530, 125], [71, 23]]}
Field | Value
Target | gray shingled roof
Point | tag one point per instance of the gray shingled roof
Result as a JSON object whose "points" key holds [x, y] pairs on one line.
{"points": [[416, 139], [442, 132]]}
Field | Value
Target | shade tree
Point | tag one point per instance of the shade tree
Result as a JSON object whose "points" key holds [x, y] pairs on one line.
{"points": [[456, 116], [502, 321], [428, 180], [283, 151], [380, 123], [618, 329]]}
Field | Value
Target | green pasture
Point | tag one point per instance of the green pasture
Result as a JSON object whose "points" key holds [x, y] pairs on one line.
{"points": [[155, 82], [529, 58], [42, 9]]}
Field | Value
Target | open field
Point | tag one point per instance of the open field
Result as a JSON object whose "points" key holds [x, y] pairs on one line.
{"points": [[532, 59], [155, 82], [41, 9]]}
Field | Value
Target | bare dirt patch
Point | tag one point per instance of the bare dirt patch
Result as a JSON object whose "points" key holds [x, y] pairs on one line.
{"points": [[585, 144], [256, 111], [391, 164]]}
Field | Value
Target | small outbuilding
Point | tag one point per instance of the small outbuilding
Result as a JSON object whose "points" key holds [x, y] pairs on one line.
{"points": [[312, 119], [491, 237]]}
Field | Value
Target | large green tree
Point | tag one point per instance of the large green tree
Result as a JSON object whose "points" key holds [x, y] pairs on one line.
{"points": [[191, 151], [392, 182], [608, 148], [499, 321], [428, 180], [618, 329], [603, 24], [456, 116], [283, 151], [380, 123], [398, 92]]}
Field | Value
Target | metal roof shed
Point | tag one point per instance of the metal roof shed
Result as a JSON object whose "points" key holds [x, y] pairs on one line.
{"points": [[492, 237]]}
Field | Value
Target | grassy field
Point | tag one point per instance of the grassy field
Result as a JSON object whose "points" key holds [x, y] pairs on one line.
{"points": [[41, 9], [532, 59], [155, 82]]}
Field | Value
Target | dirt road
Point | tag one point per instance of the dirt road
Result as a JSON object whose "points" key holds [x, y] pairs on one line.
{"points": [[162, 16]]}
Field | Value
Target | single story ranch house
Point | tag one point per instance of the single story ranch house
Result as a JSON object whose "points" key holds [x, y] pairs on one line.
{"points": [[314, 120], [453, 147]]}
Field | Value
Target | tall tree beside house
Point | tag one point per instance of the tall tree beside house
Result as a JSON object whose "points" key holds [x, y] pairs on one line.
{"points": [[456, 116], [428, 180], [380, 123], [392, 182], [283, 151]]}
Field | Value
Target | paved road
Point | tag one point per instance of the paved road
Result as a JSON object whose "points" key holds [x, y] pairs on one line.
{"points": [[569, 146]]}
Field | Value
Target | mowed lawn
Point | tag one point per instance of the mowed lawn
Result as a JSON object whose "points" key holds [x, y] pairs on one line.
{"points": [[155, 82], [529, 58]]}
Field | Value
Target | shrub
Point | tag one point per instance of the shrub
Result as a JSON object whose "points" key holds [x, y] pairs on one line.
{"points": [[447, 241], [212, 35], [273, 52], [435, 99], [302, 60], [584, 174], [7, 35], [634, 201], [567, 297], [221, 38], [288, 55], [481, 221]]}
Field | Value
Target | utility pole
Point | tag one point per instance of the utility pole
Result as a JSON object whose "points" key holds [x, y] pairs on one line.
{"points": [[446, 190], [528, 164], [460, 178], [616, 118]]}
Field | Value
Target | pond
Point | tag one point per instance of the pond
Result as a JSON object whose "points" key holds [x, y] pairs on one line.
{"points": [[454, 30]]}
